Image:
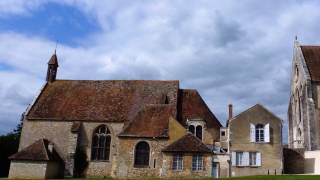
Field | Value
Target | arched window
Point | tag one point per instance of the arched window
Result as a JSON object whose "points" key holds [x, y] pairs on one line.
{"points": [[192, 129], [101, 141], [199, 132], [141, 156], [259, 133]]}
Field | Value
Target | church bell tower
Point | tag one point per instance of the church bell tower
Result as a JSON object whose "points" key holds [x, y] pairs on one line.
{"points": [[52, 68]]}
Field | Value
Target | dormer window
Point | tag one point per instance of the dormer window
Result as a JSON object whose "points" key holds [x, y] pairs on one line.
{"points": [[197, 131], [196, 127]]}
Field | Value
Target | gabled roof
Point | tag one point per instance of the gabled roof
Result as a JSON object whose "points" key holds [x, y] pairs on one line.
{"points": [[312, 57], [151, 121], [107, 101], [257, 106], [187, 144], [192, 106], [38, 151]]}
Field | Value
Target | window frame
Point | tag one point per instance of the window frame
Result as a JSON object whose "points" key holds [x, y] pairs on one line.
{"points": [[177, 162], [240, 159], [96, 148], [255, 159], [197, 162], [259, 133], [148, 157]]}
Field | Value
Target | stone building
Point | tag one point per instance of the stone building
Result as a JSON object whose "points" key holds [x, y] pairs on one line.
{"points": [[255, 142], [304, 109], [118, 128], [303, 112]]}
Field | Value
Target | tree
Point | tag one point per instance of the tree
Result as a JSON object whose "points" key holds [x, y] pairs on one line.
{"points": [[9, 144]]}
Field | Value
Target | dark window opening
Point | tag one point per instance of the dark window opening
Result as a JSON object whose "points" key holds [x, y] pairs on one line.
{"points": [[101, 141], [223, 133], [191, 129], [166, 100], [259, 133], [199, 132], [141, 157]]}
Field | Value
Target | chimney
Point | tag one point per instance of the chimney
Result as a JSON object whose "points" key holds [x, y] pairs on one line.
{"points": [[230, 111], [50, 147]]}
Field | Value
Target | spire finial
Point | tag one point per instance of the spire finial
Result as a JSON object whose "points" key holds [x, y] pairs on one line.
{"points": [[55, 49]]}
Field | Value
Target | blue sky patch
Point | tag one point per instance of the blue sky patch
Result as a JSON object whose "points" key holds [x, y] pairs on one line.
{"points": [[65, 24]]}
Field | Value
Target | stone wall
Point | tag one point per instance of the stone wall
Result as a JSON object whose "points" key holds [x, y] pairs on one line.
{"points": [[271, 153], [125, 161], [167, 170], [66, 142], [224, 164], [28, 170]]}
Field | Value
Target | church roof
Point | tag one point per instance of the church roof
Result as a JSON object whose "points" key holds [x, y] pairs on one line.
{"points": [[192, 106], [144, 106], [151, 121], [188, 144], [38, 151], [312, 57], [107, 101]]}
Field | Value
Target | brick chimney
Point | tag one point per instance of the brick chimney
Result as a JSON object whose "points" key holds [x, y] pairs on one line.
{"points": [[230, 111]]}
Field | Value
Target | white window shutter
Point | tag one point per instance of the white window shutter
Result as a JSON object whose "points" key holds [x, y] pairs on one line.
{"points": [[233, 158], [245, 159], [267, 133], [252, 133], [258, 160]]}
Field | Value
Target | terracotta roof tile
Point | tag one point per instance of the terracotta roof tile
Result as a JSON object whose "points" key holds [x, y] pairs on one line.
{"points": [[151, 121], [108, 101], [312, 57], [38, 151], [192, 106], [188, 144]]}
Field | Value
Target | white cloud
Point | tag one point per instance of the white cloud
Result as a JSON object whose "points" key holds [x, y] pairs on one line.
{"points": [[230, 52]]}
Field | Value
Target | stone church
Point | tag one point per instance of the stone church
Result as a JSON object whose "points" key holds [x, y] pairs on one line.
{"points": [[304, 105], [304, 108], [134, 128]]}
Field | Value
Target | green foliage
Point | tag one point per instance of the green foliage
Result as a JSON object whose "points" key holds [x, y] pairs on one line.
{"points": [[80, 162], [9, 144]]}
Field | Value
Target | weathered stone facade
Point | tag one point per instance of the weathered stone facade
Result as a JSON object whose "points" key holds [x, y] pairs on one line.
{"points": [[304, 111], [270, 151]]}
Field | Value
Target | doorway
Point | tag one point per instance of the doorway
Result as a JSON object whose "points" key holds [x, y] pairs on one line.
{"points": [[215, 170]]}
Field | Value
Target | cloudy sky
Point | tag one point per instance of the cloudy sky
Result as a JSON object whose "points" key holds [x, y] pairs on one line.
{"points": [[231, 52]]}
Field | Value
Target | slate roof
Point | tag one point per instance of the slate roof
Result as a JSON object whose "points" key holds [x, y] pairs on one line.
{"points": [[53, 60], [187, 144], [312, 57], [107, 101], [151, 121], [38, 151], [192, 106]]}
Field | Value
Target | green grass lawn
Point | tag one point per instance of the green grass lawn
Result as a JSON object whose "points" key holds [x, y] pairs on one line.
{"points": [[284, 177]]}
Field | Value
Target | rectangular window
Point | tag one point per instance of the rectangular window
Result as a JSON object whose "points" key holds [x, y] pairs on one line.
{"points": [[177, 163], [253, 158], [197, 162], [239, 159]]}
